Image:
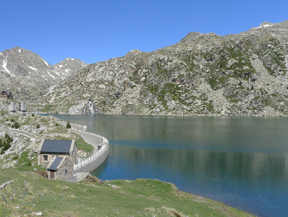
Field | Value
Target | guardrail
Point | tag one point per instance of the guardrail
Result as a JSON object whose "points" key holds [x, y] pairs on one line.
{"points": [[97, 155]]}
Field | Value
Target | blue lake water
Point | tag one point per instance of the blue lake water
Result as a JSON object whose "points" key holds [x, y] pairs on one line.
{"points": [[242, 162]]}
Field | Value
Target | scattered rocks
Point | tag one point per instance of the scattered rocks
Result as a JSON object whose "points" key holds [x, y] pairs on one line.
{"points": [[203, 74]]}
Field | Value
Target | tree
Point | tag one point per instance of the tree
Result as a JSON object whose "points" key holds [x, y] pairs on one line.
{"points": [[68, 125]]}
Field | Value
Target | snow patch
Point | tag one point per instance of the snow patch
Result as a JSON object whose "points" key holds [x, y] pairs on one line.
{"points": [[50, 75], [19, 50], [72, 59], [32, 68], [264, 26], [67, 70], [1, 54], [60, 66], [45, 62], [4, 65], [57, 73]]}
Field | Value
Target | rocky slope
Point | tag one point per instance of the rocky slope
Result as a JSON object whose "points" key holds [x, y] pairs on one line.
{"points": [[209, 74], [69, 65], [24, 72]]}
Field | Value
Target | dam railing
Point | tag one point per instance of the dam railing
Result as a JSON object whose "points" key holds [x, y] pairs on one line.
{"points": [[98, 156]]}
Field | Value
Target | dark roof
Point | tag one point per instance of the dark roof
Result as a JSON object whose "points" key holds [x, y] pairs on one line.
{"points": [[4, 92], [56, 147], [55, 164]]}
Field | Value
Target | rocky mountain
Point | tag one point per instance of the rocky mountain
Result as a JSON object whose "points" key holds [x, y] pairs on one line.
{"points": [[69, 65], [203, 74], [23, 71]]}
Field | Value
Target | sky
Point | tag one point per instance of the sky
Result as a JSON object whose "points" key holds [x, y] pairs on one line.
{"points": [[97, 30]]}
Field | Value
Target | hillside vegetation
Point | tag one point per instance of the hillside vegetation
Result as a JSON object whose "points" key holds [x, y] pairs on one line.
{"points": [[203, 74], [32, 193]]}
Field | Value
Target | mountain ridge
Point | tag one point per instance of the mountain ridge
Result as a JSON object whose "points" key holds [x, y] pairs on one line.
{"points": [[23, 70], [202, 74]]}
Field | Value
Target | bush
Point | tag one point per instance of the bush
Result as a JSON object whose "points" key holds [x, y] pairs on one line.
{"points": [[2, 151], [6, 146], [8, 138], [12, 120], [68, 125], [38, 126], [16, 125], [56, 124], [32, 115], [29, 164], [15, 157]]}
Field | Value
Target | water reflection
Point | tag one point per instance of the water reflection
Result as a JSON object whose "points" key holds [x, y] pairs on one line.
{"points": [[256, 182], [239, 161]]}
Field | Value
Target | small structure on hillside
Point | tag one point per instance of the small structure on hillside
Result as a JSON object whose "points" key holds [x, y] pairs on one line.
{"points": [[58, 156], [22, 107], [5, 95], [12, 107], [60, 168]]}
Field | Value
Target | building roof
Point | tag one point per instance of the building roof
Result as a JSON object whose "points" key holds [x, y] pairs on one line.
{"points": [[56, 147], [55, 164]]}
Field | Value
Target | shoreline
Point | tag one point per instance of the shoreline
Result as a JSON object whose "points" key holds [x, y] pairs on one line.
{"points": [[117, 180]]}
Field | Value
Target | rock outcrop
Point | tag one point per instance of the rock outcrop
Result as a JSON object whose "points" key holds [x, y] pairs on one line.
{"points": [[25, 73], [203, 74]]}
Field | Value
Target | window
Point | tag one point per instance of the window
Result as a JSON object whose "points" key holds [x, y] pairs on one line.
{"points": [[66, 171], [45, 157]]}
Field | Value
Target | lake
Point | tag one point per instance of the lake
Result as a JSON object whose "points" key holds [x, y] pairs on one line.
{"points": [[240, 161]]}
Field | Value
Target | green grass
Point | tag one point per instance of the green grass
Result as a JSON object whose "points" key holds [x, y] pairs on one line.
{"points": [[24, 161], [32, 193], [82, 145], [47, 108]]}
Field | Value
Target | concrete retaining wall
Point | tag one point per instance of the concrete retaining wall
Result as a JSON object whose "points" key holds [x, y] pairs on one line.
{"points": [[96, 159]]}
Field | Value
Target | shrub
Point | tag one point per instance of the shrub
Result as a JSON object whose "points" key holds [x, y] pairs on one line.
{"points": [[32, 115], [15, 157], [29, 164], [2, 151], [56, 124], [8, 138], [68, 125], [6, 146], [12, 120], [38, 126], [16, 125]]}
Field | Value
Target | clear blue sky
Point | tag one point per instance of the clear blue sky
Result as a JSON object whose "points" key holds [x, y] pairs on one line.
{"points": [[94, 30]]}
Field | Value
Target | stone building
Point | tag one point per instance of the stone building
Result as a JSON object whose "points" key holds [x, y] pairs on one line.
{"points": [[6, 95], [60, 168], [49, 149]]}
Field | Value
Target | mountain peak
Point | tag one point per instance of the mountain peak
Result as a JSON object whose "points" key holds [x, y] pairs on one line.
{"points": [[265, 24]]}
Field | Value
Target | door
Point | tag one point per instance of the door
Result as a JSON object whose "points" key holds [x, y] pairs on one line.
{"points": [[51, 174]]}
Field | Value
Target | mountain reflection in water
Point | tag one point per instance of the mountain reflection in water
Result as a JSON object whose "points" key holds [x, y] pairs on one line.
{"points": [[239, 161]]}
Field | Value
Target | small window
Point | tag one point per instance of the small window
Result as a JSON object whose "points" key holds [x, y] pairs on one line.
{"points": [[45, 157], [66, 171]]}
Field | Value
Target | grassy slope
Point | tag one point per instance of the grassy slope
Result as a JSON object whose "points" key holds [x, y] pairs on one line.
{"points": [[138, 198], [81, 144]]}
